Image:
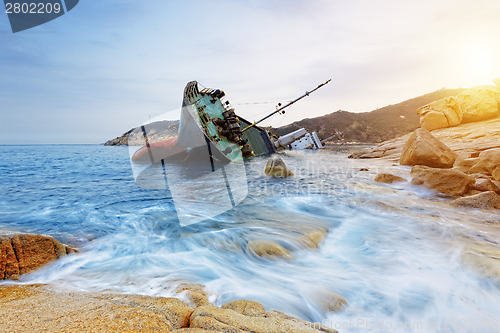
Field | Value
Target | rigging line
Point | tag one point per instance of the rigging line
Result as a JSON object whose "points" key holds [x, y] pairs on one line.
{"points": [[253, 103]]}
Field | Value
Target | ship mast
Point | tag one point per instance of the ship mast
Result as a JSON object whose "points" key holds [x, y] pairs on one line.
{"points": [[287, 105]]}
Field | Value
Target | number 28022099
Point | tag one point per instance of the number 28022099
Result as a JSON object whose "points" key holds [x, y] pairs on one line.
{"points": [[32, 8]]}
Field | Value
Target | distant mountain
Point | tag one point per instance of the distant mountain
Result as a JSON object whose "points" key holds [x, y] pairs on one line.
{"points": [[370, 127]]}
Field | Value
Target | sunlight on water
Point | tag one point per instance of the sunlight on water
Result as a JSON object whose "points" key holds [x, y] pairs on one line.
{"points": [[405, 260]]}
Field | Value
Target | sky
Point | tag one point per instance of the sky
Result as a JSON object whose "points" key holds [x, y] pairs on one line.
{"points": [[108, 66]]}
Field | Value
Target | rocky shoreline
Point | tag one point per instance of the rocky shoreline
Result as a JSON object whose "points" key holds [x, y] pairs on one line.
{"points": [[459, 160], [52, 309], [23, 253], [41, 308]]}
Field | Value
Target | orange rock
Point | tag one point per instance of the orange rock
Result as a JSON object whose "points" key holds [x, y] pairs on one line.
{"points": [[465, 164], [485, 200], [442, 113], [446, 181], [485, 185], [247, 308], [496, 173], [9, 267], [422, 148], [388, 178]]}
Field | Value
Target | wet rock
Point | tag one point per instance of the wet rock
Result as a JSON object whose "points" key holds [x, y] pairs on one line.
{"points": [[277, 168], [422, 148], [388, 178], [194, 293], [485, 185], [484, 258], [9, 267], [210, 317], [23, 253], [38, 309], [364, 169], [34, 251], [268, 249], [446, 181], [245, 307], [484, 200], [442, 113], [313, 238]]}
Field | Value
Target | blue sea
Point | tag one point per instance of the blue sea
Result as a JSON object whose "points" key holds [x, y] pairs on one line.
{"points": [[405, 260]]}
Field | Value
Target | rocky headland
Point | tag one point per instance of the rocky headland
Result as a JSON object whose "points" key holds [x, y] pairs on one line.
{"points": [[455, 152]]}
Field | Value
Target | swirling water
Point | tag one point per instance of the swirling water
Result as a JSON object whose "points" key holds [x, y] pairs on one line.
{"points": [[404, 259]]}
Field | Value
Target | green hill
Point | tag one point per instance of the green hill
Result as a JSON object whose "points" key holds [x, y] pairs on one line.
{"points": [[370, 127]]}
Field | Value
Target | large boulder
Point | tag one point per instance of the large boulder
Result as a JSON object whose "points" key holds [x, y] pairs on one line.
{"points": [[446, 181], [442, 113], [422, 148], [485, 200], [479, 104]]}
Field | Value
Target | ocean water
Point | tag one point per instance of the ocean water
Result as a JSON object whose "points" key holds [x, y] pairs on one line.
{"points": [[404, 259]]}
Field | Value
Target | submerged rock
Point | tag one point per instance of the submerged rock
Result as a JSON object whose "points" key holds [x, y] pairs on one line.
{"points": [[422, 148], [388, 178], [314, 238], [268, 249], [23, 253], [485, 200], [446, 181], [277, 168], [330, 301]]}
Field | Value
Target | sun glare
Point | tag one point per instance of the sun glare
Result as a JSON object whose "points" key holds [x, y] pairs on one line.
{"points": [[480, 65]]}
